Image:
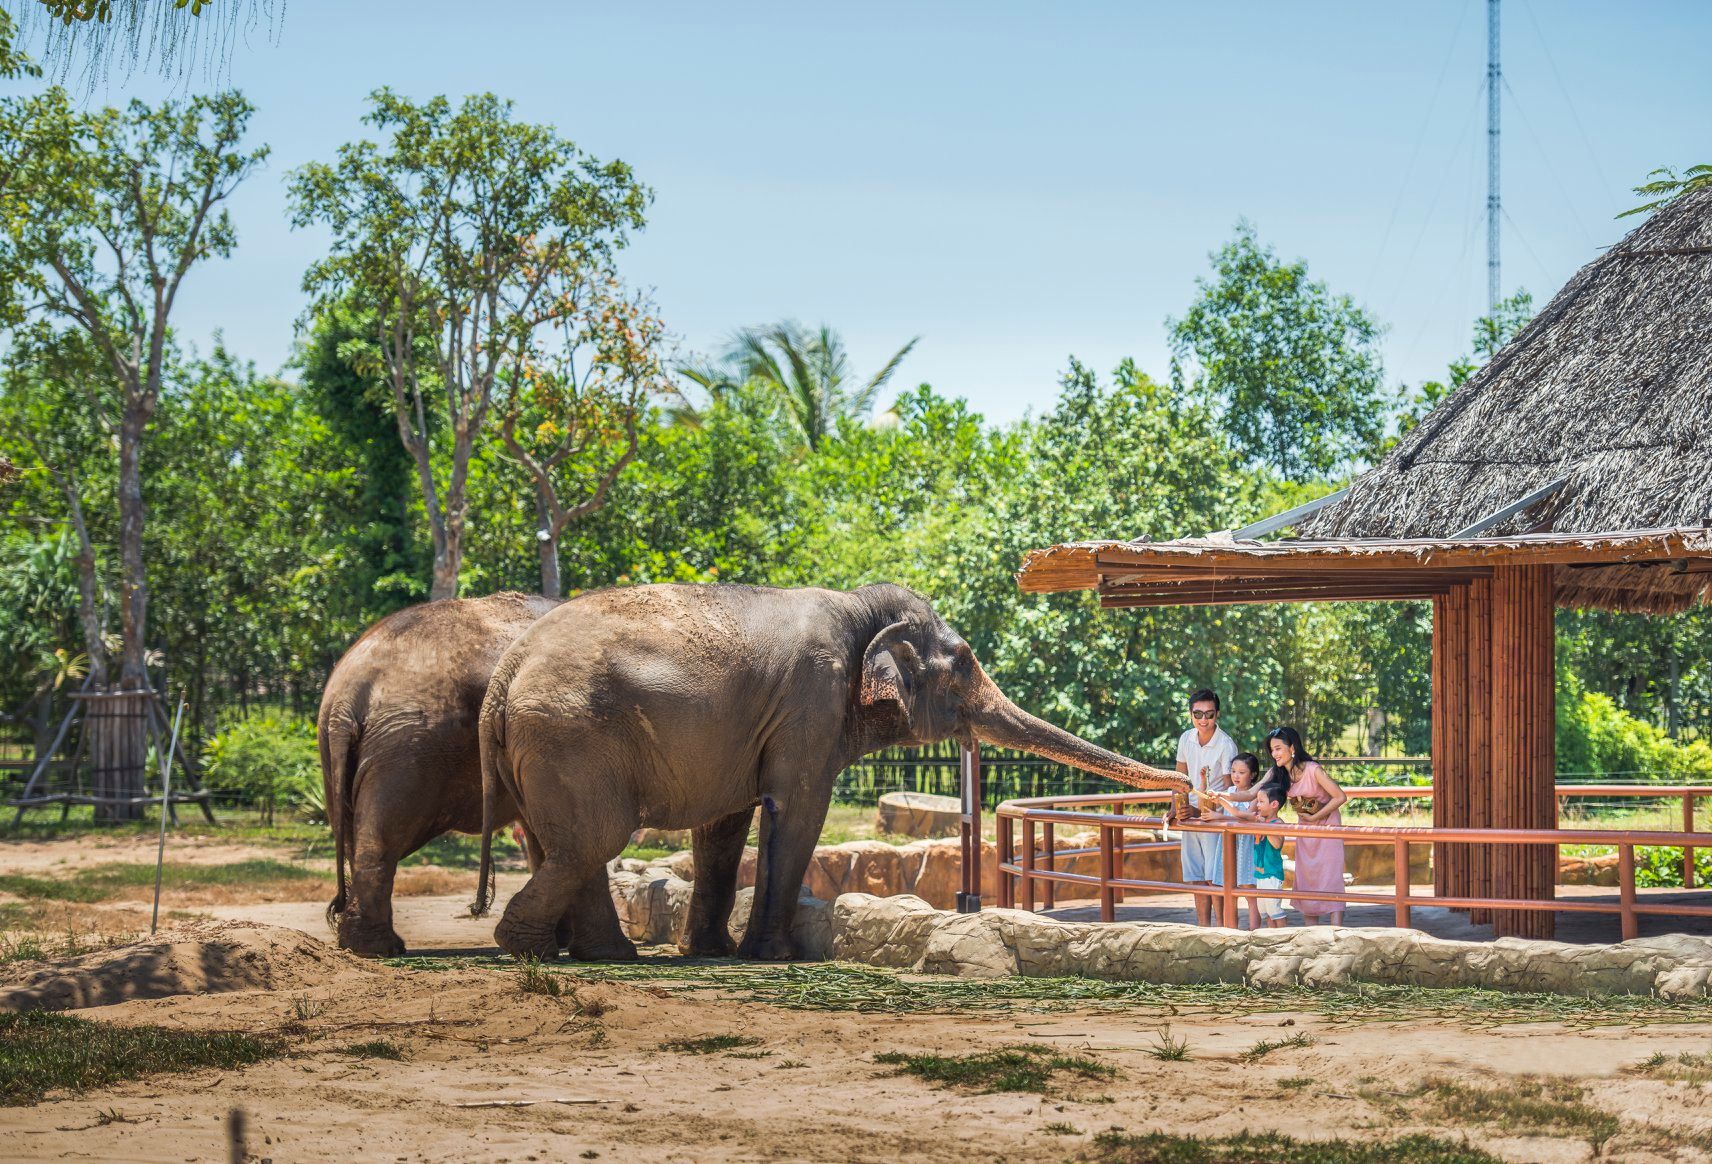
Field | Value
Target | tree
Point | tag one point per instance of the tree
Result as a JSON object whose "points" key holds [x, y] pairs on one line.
{"points": [[176, 36], [457, 234], [809, 372], [342, 382], [56, 392], [103, 216], [1666, 185], [106, 214], [1293, 370], [572, 407]]}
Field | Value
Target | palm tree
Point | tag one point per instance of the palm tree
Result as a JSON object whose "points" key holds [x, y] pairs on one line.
{"points": [[810, 374], [1665, 185]]}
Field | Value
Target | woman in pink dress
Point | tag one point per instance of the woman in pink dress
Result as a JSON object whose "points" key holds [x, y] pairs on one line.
{"points": [[1316, 798]]}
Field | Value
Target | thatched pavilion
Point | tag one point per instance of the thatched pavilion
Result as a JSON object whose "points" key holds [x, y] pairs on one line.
{"points": [[1571, 471]]}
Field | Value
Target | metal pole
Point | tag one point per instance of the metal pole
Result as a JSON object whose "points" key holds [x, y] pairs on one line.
{"points": [[166, 799], [1494, 80]]}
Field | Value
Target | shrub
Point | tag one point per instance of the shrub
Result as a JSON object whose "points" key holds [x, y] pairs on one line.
{"points": [[1596, 736], [268, 756]]}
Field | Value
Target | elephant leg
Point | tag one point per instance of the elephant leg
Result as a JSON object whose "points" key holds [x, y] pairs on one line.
{"points": [[790, 827], [366, 925], [718, 853], [529, 927], [536, 856], [597, 935]]}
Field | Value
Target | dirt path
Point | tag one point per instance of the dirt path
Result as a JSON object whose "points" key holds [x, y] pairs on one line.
{"points": [[809, 1088]]}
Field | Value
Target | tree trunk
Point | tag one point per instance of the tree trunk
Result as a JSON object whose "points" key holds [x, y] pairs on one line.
{"points": [[119, 732], [546, 544]]}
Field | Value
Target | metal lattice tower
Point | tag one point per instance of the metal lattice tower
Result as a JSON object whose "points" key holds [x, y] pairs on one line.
{"points": [[1494, 81]]}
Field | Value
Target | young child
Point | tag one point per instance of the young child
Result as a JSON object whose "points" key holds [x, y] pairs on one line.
{"points": [[1238, 802], [1269, 854]]}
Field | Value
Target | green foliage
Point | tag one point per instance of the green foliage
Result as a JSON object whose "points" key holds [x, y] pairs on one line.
{"points": [[1275, 1148], [1293, 369], [1657, 868], [42, 1052], [110, 881], [1600, 739], [1665, 185], [1021, 1067], [267, 755]]}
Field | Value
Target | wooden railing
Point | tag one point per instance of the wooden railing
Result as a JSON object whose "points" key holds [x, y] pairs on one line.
{"points": [[1032, 864]]}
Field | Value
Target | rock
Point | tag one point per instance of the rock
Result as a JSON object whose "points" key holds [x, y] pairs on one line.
{"points": [[906, 932], [811, 929], [661, 838], [1588, 871], [1377, 864], [919, 814], [681, 864]]}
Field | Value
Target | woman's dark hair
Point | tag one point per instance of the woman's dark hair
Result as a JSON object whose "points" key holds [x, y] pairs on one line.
{"points": [[1205, 695], [1298, 754], [1249, 758]]}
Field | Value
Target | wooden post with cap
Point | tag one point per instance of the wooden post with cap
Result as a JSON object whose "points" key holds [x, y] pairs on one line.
{"points": [[969, 826]]}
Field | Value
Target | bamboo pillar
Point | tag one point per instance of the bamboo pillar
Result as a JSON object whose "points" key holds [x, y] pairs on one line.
{"points": [[1461, 707], [1523, 742]]}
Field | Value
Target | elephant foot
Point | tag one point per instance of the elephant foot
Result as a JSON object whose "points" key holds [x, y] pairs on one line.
{"points": [[562, 934], [717, 944], [370, 941], [773, 948], [525, 942], [621, 950]]}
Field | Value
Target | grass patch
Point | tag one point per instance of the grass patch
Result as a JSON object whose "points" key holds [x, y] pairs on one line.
{"points": [[1551, 1107], [32, 947], [1296, 1082], [750, 1055], [710, 1045], [534, 978], [41, 1051], [1266, 1046], [377, 1049], [1273, 1148], [833, 986], [1167, 1049], [1060, 1128], [106, 882], [1683, 1068], [463, 851], [1020, 1067]]}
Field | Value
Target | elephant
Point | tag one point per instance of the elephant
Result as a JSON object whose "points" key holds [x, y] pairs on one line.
{"points": [[400, 762], [687, 706]]}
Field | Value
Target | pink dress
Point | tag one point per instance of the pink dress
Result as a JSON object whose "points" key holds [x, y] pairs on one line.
{"points": [[1319, 860]]}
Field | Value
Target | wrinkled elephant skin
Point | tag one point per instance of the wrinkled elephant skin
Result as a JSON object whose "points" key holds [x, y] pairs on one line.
{"points": [[685, 706], [400, 761]]}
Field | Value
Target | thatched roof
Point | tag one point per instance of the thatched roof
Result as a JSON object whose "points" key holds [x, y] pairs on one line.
{"points": [[1609, 389], [1222, 569]]}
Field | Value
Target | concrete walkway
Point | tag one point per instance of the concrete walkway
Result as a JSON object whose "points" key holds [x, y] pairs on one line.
{"points": [[1441, 923]]}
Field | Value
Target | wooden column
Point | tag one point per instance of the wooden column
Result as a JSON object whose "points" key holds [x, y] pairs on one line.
{"points": [[1523, 742], [1461, 707]]}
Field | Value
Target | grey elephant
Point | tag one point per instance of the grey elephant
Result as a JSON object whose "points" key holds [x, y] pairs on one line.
{"points": [[687, 706], [400, 763]]}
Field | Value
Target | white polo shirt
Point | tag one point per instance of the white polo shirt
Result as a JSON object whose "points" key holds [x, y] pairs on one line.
{"points": [[1209, 764]]}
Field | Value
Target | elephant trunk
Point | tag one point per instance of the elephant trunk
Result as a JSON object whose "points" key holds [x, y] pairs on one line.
{"points": [[996, 720]]}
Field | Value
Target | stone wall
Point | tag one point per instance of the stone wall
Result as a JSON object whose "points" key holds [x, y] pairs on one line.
{"points": [[907, 933]]}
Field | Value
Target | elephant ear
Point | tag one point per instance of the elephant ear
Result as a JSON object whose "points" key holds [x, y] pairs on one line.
{"points": [[889, 670]]}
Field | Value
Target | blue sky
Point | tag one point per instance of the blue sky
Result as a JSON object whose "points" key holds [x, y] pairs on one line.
{"points": [[1013, 182]]}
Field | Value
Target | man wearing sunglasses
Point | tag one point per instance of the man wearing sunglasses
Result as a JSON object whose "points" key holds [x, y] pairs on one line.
{"points": [[1204, 755]]}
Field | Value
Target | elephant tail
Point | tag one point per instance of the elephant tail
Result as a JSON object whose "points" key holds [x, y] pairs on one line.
{"points": [[492, 761], [340, 741]]}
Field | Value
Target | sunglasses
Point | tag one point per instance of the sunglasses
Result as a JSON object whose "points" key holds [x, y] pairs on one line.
{"points": [[1204, 715]]}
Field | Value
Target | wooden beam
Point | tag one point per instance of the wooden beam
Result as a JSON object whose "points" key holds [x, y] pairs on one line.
{"points": [[1235, 598], [1248, 576]]}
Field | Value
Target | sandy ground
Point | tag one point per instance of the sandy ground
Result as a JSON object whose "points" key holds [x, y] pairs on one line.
{"points": [[810, 1090], [471, 1037]]}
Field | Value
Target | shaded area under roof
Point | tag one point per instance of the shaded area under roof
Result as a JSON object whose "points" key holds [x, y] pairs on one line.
{"points": [[1658, 570]]}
